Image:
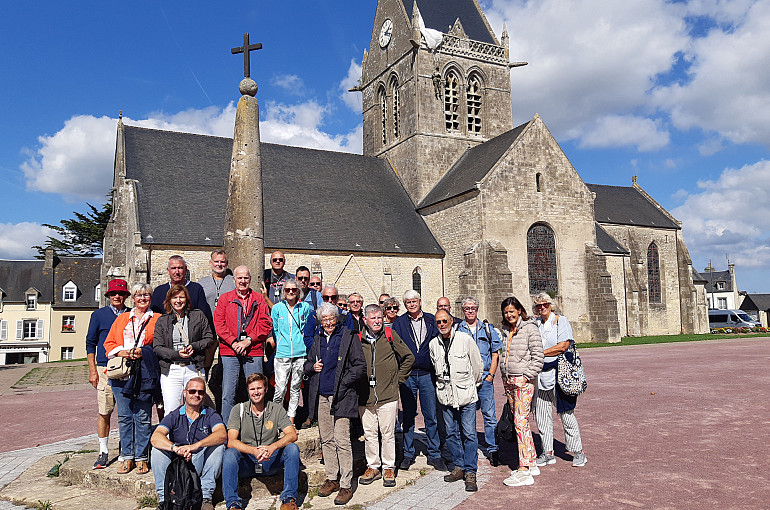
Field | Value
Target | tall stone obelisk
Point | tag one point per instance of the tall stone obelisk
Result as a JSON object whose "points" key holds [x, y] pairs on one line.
{"points": [[244, 227]]}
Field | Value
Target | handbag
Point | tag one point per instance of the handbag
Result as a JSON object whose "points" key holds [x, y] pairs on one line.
{"points": [[505, 429], [570, 375], [118, 368]]}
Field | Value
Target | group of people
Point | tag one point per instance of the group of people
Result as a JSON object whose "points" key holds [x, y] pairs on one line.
{"points": [[356, 363]]}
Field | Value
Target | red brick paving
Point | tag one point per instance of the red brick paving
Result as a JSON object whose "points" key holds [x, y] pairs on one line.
{"points": [[681, 425]]}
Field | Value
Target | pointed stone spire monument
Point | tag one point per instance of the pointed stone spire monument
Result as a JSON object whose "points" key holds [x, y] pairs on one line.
{"points": [[244, 228]]}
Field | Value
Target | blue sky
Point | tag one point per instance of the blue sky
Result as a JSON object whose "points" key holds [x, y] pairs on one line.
{"points": [[677, 93]]}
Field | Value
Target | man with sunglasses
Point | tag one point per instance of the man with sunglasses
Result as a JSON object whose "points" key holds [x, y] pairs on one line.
{"points": [[275, 277], [195, 433], [443, 303], [309, 294], [330, 294]]}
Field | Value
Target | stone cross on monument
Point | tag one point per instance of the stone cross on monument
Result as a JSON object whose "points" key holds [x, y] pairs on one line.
{"points": [[244, 229]]}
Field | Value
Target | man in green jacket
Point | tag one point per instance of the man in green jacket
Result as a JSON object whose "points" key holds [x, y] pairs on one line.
{"points": [[388, 364]]}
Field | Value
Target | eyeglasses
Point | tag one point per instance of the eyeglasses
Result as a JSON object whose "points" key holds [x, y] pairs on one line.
{"points": [[330, 298], [277, 260], [197, 392], [470, 308], [303, 278], [442, 321], [315, 284], [391, 308], [290, 289], [355, 302], [542, 305], [145, 296]]}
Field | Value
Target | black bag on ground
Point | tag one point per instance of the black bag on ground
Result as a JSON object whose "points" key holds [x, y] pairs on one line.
{"points": [[182, 487], [506, 431]]}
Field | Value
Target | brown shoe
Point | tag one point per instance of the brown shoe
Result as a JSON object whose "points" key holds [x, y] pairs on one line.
{"points": [[328, 487], [369, 476], [289, 504], [343, 497], [126, 467], [141, 467], [455, 475], [470, 482], [207, 505], [389, 478]]}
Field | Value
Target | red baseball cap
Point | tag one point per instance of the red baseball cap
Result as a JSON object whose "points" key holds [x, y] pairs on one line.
{"points": [[118, 285]]}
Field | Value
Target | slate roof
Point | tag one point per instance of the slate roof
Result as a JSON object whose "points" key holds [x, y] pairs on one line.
{"points": [[697, 277], [627, 206], [85, 272], [16, 276], [441, 15], [756, 302], [314, 200], [471, 168], [607, 243], [712, 277]]}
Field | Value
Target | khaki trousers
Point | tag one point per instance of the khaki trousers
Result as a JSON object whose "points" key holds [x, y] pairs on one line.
{"points": [[380, 417], [335, 442]]}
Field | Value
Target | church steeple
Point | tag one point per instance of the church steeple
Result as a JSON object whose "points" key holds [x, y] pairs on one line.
{"points": [[436, 81]]}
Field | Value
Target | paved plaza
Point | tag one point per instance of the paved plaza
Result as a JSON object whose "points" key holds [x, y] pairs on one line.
{"points": [[681, 425]]}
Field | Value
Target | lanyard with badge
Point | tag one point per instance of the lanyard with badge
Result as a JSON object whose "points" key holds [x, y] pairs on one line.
{"points": [[258, 465]]}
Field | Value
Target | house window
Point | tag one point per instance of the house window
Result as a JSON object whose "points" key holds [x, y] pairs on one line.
{"points": [[396, 107], [474, 104], [67, 353], [417, 280], [722, 303], [720, 285], [383, 115], [31, 302], [3, 330], [537, 182], [68, 324], [452, 102], [653, 274], [98, 293], [30, 329], [70, 291], [541, 260]]}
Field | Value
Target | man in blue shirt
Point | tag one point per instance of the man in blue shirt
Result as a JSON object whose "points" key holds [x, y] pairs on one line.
{"points": [[489, 344], [195, 433], [98, 327]]}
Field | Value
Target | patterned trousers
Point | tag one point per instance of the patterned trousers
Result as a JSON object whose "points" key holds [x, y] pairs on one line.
{"points": [[546, 401], [520, 393]]}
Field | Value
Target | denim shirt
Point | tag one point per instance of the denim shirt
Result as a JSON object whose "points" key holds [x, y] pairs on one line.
{"points": [[486, 345]]}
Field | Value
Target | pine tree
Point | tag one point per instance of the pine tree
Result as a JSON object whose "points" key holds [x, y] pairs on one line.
{"points": [[81, 236]]}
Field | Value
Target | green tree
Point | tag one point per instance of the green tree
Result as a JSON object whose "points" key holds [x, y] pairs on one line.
{"points": [[81, 236]]}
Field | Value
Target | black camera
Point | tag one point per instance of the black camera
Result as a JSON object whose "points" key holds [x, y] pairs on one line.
{"points": [[372, 381]]}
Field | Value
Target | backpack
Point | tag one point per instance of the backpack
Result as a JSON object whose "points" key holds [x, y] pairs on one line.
{"points": [[182, 487]]}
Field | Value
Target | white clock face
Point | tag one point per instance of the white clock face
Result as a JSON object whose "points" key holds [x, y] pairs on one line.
{"points": [[385, 32]]}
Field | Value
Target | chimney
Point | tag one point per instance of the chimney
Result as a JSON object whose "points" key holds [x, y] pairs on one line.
{"points": [[48, 259]]}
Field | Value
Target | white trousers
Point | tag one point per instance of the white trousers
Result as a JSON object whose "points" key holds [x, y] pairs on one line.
{"points": [[285, 367], [172, 385]]}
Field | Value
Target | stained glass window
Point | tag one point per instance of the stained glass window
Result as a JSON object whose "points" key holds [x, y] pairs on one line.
{"points": [[417, 281], [653, 274], [541, 260]]}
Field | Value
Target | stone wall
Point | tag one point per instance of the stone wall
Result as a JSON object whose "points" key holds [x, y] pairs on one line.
{"points": [[602, 305], [487, 278]]}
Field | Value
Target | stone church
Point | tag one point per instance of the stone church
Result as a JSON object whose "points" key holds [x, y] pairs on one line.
{"points": [[448, 198]]}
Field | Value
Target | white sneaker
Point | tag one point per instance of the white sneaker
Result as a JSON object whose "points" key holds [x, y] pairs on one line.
{"points": [[534, 470], [579, 459], [519, 478]]}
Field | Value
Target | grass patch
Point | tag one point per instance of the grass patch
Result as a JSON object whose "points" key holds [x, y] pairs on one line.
{"points": [[147, 501], [665, 339]]}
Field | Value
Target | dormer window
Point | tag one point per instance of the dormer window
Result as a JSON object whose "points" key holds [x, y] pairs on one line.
{"points": [[70, 292], [31, 301], [98, 293], [720, 285]]}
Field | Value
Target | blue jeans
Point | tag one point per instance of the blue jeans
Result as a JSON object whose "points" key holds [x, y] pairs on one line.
{"points": [[207, 462], [422, 384], [462, 422], [231, 370], [486, 403], [134, 423], [236, 465]]}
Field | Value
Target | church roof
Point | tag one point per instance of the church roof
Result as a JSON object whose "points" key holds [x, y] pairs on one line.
{"points": [[313, 199], [441, 15], [607, 243], [627, 206], [697, 277], [17, 276], [756, 302], [471, 168]]}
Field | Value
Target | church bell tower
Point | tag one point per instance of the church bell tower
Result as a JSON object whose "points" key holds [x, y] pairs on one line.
{"points": [[435, 82]]}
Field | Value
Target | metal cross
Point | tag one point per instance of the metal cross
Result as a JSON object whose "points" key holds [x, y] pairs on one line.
{"points": [[246, 49]]}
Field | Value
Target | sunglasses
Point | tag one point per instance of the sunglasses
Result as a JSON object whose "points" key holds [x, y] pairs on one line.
{"points": [[330, 298], [542, 305], [442, 321], [277, 260], [315, 284], [355, 301], [290, 289], [197, 392], [391, 308], [303, 278]]}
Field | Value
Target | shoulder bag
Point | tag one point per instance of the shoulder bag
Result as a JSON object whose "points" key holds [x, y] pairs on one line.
{"points": [[570, 375]]}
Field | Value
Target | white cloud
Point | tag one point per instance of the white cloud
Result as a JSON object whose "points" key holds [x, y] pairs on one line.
{"points": [[352, 99], [730, 88], [290, 83], [299, 125], [16, 239], [625, 131], [731, 215], [212, 120]]}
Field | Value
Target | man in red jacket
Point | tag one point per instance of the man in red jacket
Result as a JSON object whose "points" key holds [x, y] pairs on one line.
{"points": [[242, 320]]}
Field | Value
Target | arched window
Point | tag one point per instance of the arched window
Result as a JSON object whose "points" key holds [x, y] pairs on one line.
{"points": [[538, 178], [452, 101], [474, 104], [653, 274], [417, 280], [396, 106], [541, 260], [383, 114]]}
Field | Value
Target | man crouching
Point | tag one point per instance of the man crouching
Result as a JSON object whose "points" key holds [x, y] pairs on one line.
{"points": [[254, 447], [195, 433]]}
